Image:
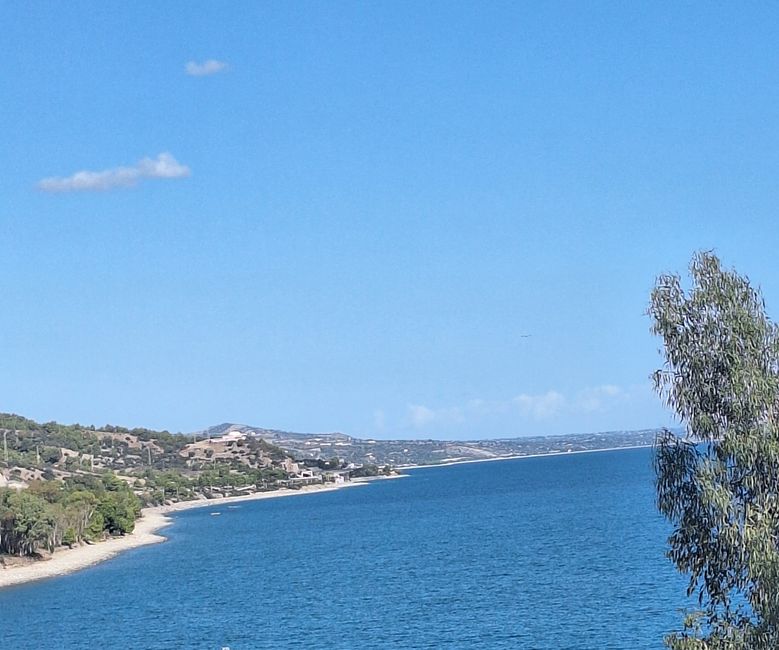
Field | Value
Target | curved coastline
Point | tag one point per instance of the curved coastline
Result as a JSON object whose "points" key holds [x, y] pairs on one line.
{"points": [[153, 519], [518, 456]]}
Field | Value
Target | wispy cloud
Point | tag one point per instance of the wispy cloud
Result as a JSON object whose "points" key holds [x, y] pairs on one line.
{"points": [[212, 66], [537, 407], [422, 416], [163, 166], [599, 398], [542, 406]]}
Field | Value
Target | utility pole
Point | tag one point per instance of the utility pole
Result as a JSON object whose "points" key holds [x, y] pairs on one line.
{"points": [[148, 448], [5, 444]]}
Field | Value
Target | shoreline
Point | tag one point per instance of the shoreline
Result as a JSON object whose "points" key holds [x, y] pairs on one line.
{"points": [[69, 560], [519, 456], [65, 561]]}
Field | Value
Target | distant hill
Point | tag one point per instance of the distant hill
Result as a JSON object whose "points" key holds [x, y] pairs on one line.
{"points": [[401, 453], [51, 450], [268, 434]]}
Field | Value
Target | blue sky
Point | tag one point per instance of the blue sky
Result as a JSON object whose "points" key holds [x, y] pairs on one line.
{"points": [[350, 217]]}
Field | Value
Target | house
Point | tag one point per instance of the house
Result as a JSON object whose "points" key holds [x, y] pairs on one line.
{"points": [[339, 476], [303, 477]]}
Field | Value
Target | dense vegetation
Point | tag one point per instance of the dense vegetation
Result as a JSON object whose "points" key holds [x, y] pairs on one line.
{"points": [[371, 470], [30, 444], [68, 484], [50, 513]]}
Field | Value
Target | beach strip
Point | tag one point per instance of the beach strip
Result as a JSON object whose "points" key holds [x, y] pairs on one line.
{"points": [[153, 519], [466, 461]]}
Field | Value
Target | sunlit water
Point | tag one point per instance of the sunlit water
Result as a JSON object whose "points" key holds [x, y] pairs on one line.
{"points": [[541, 553]]}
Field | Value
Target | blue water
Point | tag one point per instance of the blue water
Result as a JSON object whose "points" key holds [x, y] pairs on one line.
{"points": [[542, 553]]}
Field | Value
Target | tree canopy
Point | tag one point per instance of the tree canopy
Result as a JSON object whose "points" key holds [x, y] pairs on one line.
{"points": [[719, 484], [51, 513]]}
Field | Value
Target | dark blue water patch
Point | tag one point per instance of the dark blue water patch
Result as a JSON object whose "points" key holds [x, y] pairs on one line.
{"points": [[556, 552]]}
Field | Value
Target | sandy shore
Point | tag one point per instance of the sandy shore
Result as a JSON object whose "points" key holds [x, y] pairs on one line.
{"points": [[518, 456], [152, 520], [69, 560]]}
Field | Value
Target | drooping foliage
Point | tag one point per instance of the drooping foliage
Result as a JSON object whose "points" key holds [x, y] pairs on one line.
{"points": [[719, 484]]}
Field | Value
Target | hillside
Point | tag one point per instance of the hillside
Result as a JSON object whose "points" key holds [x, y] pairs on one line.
{"points": [[158, 466]]}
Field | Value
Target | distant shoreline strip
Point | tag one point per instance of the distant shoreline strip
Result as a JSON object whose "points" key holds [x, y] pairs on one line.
{"points": [[520, 456]]}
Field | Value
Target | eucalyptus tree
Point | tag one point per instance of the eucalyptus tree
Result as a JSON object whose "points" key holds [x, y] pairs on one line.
{"points": [[719, 483]]}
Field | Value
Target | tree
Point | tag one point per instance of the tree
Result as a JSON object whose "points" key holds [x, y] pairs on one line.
{"points": [[119, 511], [719, 484], [26, 523], [69, 537]]}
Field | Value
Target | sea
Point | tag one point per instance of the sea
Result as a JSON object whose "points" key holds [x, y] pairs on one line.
{"points": [[557, 552]]}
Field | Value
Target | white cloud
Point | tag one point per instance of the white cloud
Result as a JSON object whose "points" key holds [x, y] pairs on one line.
{"points": [[212, 66], [163, 166], [542, 406]]}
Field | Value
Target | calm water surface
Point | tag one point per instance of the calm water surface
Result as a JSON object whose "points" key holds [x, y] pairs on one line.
{"points": [[540, 553]]}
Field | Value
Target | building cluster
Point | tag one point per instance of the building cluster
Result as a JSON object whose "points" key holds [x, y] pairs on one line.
{"points": [[241, 447]]}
